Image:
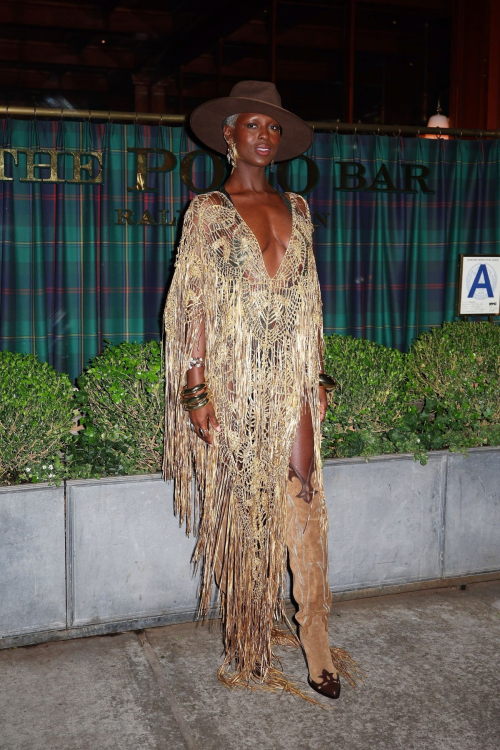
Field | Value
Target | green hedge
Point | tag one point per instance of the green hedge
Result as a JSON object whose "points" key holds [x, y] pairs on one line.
{"points": [[455, 373], [37, 411], [122, 399], [368, 400], [443, 394]]}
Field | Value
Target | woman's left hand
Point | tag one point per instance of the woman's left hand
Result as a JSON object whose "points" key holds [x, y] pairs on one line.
{"points": [[323, 403]]}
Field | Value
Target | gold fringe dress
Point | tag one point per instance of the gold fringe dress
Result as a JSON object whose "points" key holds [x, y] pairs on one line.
{"points": [[262, 362]]}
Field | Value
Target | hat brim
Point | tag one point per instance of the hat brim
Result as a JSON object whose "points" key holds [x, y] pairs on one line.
{"points": [[207, 119]]}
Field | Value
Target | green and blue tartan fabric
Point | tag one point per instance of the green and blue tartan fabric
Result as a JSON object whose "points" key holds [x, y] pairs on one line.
{"points": [[72, 278], [389, 262]]}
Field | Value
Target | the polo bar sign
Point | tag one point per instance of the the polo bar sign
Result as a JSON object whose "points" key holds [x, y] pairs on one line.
{"points": [[44, 165]]}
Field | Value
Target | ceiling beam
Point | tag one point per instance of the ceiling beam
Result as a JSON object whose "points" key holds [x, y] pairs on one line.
{"points": [[329, 40], [40, 78], [84, 16], [51, 55], [442, 7]]}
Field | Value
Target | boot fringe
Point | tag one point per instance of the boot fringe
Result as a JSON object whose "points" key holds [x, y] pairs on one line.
{"points": [[347, 668], [272, 681]]}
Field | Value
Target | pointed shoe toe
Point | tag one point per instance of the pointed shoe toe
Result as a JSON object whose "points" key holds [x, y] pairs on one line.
{"points": [[329, 685]]}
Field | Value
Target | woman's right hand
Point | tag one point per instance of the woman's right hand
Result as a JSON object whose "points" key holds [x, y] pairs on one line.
{"points": [[202, 420]]}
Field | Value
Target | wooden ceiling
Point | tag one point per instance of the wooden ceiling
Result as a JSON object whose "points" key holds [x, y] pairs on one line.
{"points": [[168, 56]]}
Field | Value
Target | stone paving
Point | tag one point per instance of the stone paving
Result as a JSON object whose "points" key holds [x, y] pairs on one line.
{"points": [[432, 660]]}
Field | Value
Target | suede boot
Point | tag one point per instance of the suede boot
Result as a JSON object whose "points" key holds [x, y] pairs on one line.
{"points": [[308, 557]]}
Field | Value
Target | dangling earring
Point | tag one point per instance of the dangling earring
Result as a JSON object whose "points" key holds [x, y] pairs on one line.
{"points": [[271, 166], [232, 154]]}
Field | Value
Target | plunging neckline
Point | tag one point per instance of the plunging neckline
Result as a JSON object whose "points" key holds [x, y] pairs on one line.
{"points": [[254, 236]]}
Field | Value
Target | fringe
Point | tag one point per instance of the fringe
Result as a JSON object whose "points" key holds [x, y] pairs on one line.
{"points": [[346, 666], [284, 639], [271, 681]]}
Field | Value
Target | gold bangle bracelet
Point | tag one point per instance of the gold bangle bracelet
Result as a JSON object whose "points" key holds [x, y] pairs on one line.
{"points": [[327, 382], [188, 396], [198, 406], [196, 400], [193, 390]]}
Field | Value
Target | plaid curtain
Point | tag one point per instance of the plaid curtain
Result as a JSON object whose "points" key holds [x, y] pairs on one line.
{"points": [[388, 261], [72, 277]]}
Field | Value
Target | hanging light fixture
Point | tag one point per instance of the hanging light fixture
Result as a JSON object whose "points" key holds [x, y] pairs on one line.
{"points": [[438, 121]]}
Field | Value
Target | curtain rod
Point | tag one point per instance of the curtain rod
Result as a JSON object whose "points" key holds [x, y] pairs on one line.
{"points": [[178, 120]]}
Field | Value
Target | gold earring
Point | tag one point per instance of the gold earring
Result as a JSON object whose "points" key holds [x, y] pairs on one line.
{"points": [[232, 154]]}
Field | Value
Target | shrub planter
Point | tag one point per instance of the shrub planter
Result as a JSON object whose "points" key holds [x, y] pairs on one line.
{"points": [[394, 525]]}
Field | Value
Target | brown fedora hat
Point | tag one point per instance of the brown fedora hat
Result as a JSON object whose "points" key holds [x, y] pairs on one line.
{"points": [[259, 97]]}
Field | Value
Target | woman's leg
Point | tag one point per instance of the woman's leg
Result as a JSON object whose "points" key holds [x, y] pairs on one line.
{"points": [[308, 553], [219, 570]]}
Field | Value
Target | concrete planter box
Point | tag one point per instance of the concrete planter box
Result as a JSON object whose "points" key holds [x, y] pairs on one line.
{"points": [[127, 556], [32, 560], [100, 556]]}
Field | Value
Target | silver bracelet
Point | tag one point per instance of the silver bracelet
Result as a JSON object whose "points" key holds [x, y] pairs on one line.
{"points": [[196, 362]]}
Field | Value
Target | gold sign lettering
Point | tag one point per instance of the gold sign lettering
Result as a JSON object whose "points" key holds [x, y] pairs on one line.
{"points": [[78, 166], [169, 163], [321, 217], [421, 177], [382, 182], [312, 175], [354, 176], [148, 220], [31, 165], [13, 153], [187, 168], [126, 217], [163, 221]]}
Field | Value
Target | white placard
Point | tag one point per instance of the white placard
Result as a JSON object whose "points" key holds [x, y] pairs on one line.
{"points": [[480, 285]]}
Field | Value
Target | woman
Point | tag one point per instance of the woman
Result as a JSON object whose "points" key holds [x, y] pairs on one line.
{"points": [[243, 348]]}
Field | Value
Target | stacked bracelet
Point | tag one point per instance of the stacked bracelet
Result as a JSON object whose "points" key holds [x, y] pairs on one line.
{"points": [[327, 382], [195, 397]]}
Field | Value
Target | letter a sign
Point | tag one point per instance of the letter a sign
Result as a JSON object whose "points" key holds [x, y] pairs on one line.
{"points": [[479, 285]]}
